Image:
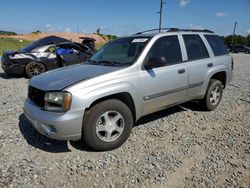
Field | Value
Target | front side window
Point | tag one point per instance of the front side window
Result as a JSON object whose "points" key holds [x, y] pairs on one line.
{"points": [[217, 45], [167, 47], [120, 52], [51, 49], [195, 47]]}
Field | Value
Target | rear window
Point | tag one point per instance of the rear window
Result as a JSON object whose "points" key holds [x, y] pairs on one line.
{"points": [[217, 45], [195, 47]]}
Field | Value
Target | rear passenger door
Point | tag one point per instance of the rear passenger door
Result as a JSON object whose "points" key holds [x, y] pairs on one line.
{"points": [[164, 86], [198, 64]]}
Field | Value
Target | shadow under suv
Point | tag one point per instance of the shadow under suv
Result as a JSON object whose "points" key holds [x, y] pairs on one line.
{"points": [[100, 100]]}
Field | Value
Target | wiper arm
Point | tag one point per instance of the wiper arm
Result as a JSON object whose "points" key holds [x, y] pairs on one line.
{"points": [[91, 61], [108, 62]]}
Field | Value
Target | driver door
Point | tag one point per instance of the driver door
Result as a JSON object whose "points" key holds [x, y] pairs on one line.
{"points": [[167, 85]]}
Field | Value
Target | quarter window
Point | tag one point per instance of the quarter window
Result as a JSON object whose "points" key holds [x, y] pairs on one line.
{"points": [[195, 47], [217, 45], [167, 47]]}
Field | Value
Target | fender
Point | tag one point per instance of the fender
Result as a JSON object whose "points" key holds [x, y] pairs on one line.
{"points": [[211, 72], [88, 96]]}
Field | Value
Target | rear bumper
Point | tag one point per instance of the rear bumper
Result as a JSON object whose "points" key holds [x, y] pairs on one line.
{"points": [[60, 126]]}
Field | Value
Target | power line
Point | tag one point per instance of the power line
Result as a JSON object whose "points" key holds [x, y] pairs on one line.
{"points": [[204, 15]]}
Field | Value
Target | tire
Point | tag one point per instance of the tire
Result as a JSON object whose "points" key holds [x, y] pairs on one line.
{"points": [[99, 132], [34, 68], [213, 95]]}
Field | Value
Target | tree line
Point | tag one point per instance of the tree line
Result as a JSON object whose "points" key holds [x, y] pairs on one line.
{"points": [[238, 40]]}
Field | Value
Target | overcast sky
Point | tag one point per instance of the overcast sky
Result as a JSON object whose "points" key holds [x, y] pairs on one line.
{"points": [[123, 17]]}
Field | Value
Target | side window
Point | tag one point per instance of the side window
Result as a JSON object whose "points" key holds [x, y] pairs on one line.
{"points": [[195, 47], [217, 45], [51, 49], [167, 47]]}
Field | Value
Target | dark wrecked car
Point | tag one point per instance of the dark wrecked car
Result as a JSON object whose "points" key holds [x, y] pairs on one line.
{"points": [[46, 54]]}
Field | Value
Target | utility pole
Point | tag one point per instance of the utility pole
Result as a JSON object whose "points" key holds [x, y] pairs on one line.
{"points": [[160, 22], [235, 24], [78, 32]]}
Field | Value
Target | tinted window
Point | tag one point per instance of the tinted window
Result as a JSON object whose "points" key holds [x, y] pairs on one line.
{"points": [[167, 47], [217, 45], [122, 51], [195, 47]]}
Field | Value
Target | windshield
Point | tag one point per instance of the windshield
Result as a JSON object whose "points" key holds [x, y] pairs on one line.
{"points": [[29, 48], [120, 52]]}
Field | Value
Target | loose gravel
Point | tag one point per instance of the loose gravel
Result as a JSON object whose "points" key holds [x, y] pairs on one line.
{"points": [[178, 147]]}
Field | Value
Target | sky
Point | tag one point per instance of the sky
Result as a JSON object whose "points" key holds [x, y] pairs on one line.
{"points": [[123, 17]]}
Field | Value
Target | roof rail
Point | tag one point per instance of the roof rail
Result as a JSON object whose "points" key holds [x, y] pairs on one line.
{"points": [[175, 30], [192, 30], [141, 32]]}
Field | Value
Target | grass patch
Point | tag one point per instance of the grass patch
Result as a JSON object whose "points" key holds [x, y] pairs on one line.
{"points": [[12, 44]]}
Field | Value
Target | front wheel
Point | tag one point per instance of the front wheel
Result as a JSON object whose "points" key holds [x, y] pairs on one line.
{"points": [[34, 69], [213, 95], [107, 125]]}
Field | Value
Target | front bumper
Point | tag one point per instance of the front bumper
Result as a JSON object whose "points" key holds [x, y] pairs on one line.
{"points": [[12, 68], [60, 126]]}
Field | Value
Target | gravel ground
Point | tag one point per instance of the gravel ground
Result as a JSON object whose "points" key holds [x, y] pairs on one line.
{"points": [[178, 147]]}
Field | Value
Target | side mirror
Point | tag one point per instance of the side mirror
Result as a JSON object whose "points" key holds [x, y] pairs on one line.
{"points": [[155, 62]]}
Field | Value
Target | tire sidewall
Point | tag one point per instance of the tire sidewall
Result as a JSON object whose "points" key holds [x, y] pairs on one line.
{"points": [[28, 66], [212, 84], [89, 126]]}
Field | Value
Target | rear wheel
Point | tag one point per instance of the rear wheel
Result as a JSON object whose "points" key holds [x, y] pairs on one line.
{"points": [[213, 95], [107, 125], [34, 69]]}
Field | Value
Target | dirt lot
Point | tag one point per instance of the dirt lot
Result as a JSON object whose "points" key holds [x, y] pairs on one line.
{"points": [[179, 147], [71, 36]]}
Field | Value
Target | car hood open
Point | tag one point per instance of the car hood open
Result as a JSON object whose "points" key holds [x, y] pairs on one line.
{"points": [[58, 79]]}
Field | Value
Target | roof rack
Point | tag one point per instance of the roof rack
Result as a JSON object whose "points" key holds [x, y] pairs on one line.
{"points": [[192, 30], [141, 32], [175, 30]]}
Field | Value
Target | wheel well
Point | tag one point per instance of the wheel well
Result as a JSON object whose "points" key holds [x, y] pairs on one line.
{"points": [[221, 76], [124, 97]]}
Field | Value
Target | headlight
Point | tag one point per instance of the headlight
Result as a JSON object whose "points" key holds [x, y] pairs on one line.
{"points": [[57, 101]]}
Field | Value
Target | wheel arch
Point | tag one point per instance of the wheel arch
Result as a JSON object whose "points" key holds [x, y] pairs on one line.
{"points": [[221, 76], [125, 97]]}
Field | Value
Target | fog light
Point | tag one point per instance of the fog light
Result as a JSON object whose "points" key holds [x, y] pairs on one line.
{"points": [[49, 128]]}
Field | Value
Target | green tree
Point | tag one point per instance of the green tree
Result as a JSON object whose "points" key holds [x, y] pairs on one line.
{"points": [[248, 40]]}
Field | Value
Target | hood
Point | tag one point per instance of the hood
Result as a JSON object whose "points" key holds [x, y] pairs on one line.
{"points": [[63, 77], [7, 53]]}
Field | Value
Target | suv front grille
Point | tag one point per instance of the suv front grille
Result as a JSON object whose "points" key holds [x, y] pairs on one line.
{"points": [[37, 96]]}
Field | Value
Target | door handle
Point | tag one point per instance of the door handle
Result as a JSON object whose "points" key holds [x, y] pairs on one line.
{"points": [[210, 64], [181, 71]]}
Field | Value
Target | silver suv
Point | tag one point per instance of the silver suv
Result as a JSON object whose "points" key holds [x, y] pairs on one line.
{"points": [[100, 100]]}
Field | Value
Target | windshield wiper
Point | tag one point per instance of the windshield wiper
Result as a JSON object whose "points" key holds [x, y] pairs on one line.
{"points": [[109, 62], [90, 61]]}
